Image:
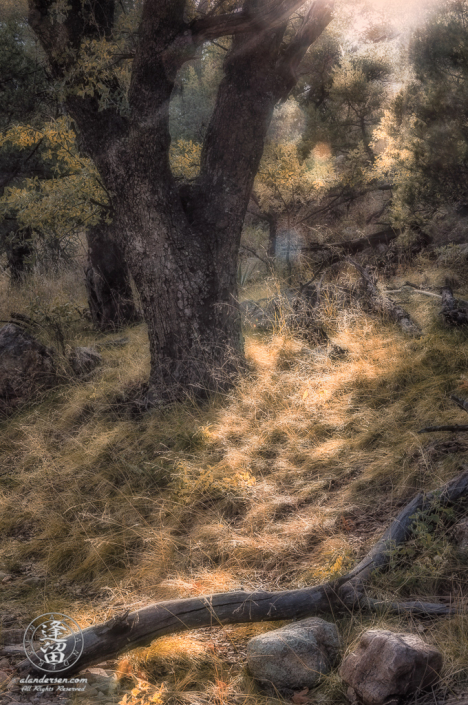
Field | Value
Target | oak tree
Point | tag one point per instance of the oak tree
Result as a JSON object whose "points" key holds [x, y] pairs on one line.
{"points": [[180, 240]]}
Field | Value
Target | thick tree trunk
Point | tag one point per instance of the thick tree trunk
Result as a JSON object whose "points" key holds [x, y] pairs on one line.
{"points": [[192, 314], [181, 243], [107, 280]]}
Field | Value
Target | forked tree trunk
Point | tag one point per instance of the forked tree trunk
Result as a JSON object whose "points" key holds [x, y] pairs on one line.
{"points": [[110, 297], [181, 243]]}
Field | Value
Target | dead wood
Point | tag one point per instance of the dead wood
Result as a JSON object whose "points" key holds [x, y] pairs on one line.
{"points": [[453, 312], [418, 608], [462, 403], [140, 628], [454, 428], [382, 304], [359, 244]]}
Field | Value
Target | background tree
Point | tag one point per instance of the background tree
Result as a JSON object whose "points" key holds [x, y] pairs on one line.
{"points": [[23, 95], [48, 193], [344, 104], [426, 126]]}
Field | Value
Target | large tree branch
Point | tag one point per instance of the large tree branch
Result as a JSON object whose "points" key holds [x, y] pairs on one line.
{"points": [[314, 22], [254, 82], [140, 628], [269, 16]]}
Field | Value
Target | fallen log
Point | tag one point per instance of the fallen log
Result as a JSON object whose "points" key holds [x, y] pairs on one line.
{"points": [[140, 628]]}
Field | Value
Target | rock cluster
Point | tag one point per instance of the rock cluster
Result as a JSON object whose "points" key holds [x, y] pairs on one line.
{"points": [[385, 667], [461, 536], [27, 367]]}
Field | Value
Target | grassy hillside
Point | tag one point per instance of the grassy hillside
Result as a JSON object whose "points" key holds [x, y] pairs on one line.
{"points": [[284, 482]]}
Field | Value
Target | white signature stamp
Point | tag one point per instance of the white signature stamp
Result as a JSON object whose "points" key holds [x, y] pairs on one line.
{"points": [[53, 642]]}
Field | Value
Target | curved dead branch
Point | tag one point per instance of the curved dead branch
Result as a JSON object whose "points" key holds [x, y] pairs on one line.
{"points": [[140, 628], [382, 304]]}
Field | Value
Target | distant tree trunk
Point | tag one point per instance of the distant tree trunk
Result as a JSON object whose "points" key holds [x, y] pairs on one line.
{"points": [[110, 297], [272, 219], [19, 251]]}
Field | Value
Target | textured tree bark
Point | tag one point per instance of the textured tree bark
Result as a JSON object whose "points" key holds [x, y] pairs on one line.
{"points": [[110, 297], [181, 243], [140, 628]]}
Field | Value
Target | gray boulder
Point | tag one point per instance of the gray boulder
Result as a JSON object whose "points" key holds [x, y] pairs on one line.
{"points": [[84, 360], [26, 367], [295, 656], [387, 667]]}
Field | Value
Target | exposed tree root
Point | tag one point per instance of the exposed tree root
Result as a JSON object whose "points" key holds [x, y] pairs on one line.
{"points": [[140, 628]]}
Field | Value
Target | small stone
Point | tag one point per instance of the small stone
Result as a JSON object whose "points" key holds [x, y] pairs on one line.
{"points": [[84, 360], [296, 656], [387, 666]]}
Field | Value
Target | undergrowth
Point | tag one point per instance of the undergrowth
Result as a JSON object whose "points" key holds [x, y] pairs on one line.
{"points": [[284, 482]]}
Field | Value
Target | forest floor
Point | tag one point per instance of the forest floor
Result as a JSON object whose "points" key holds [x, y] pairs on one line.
{"points": [[284, 482]]}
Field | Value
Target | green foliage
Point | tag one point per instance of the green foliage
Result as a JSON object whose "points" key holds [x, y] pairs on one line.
{"points": [[195, 93], [69, 199], [185, 159], [345, 104], [424, 560], [426, 129], [23, 82], [283, 181]]}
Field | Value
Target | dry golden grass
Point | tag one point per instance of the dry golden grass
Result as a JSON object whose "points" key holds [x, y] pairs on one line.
{"points": [[284, 482]]}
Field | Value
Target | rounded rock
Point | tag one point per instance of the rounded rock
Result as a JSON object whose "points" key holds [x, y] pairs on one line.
{"points": [[295, 656]]}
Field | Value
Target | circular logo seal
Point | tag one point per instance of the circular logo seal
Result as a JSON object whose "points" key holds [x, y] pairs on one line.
{"points": [[53, 642]]}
